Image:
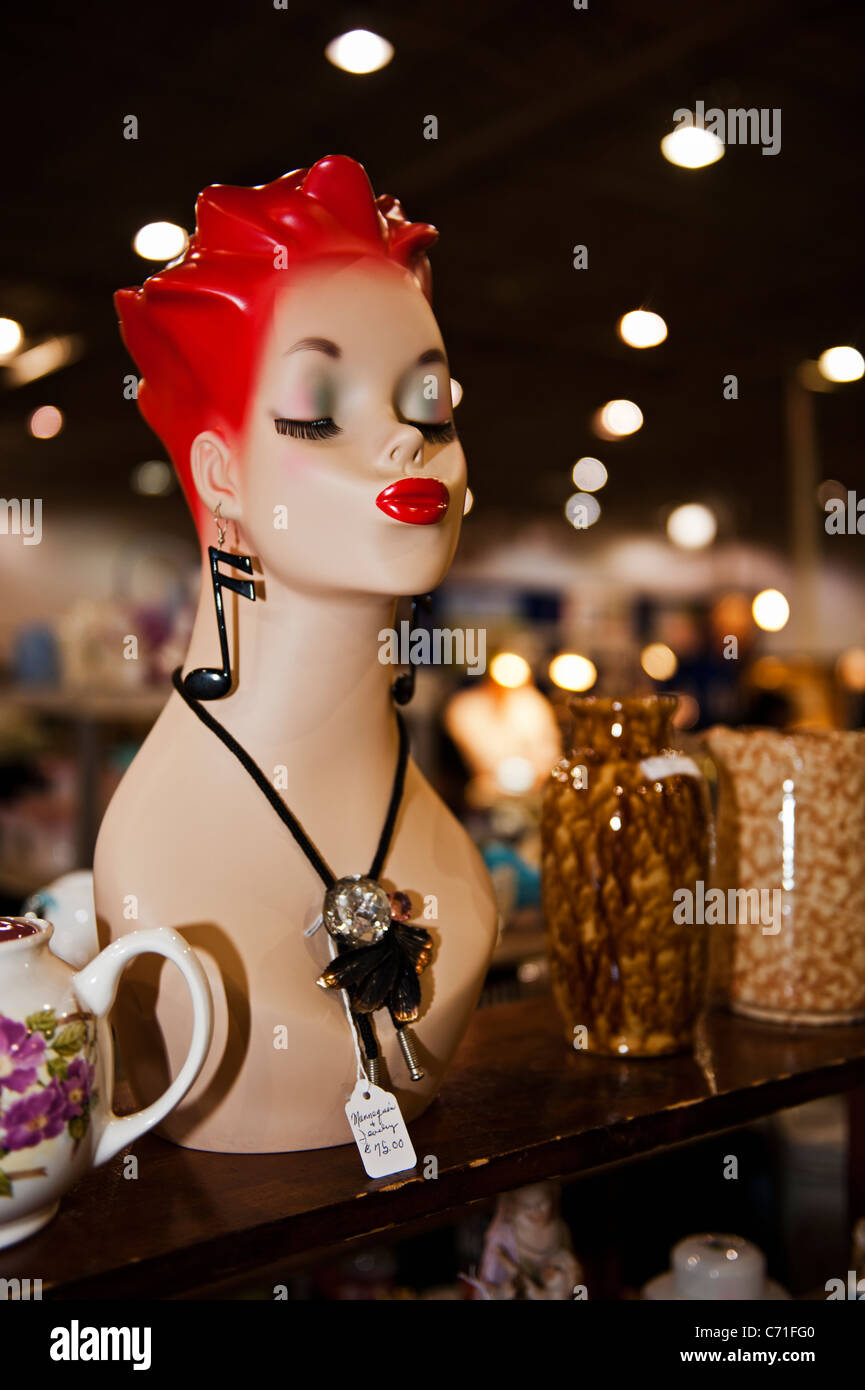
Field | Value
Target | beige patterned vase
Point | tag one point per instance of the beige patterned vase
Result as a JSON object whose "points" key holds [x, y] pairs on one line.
{"points": [[789, 945]]}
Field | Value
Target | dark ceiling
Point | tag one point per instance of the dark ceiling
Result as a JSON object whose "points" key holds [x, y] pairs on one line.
{"points": [[549, 123]]}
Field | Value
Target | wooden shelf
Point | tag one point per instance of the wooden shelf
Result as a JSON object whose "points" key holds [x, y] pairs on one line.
{"points": [[518, 1106]]}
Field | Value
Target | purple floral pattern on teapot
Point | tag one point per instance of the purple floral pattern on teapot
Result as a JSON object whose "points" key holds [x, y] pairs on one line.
{"points": [[46, 1085]]}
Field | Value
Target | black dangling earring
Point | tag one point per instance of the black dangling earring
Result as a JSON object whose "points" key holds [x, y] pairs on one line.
{"points": [[403, 687], [206, 682]]}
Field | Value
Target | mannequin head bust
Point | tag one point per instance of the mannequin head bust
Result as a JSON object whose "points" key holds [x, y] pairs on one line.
{"points": [[294, 369]]}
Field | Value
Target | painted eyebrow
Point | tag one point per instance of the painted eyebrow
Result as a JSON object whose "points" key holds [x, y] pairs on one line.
{"points": [[325, 345], [332, 349]]}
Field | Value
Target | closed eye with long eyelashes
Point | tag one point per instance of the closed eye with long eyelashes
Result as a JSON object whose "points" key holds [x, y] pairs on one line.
{"points": [[442, 433], [326, 428], [308, 429]]}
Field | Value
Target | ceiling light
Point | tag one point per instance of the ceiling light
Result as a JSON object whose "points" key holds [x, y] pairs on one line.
{"points": [[641, 329], [617, 418], [160, 241], [692, 147], [841, 364], [11, 338], [359, 51]]}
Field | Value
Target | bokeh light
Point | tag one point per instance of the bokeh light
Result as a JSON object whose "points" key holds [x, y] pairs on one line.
{"points": [[11, 338], [160, 241], [617, 419], [850, 668], [456, 392], [570, 671], [582, 510], [589, 474], [154, 478], [687, 712], [770, 610], [45, 422], [510, 670], [659, 661], [515, 774], [359, 51], [642, 329], [692, 526], [469, 502], [841, 364], [731, 615], [692, 147]]}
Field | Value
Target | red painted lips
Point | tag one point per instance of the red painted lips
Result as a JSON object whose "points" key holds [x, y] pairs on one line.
{"points": [[418, 501]]}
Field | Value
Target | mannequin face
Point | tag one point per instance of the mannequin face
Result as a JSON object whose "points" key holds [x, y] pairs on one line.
{"points": [[355, 347]]}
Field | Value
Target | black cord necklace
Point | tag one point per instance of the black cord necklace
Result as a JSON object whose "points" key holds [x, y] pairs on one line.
{"points": [[380, 955]]}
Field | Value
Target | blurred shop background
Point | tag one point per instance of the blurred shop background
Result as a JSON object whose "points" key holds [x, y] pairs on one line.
{"points": [[666, 501], [628, 503]]}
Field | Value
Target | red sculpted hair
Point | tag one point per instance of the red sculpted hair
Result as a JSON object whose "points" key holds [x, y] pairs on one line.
{"points": [[195, 328]]}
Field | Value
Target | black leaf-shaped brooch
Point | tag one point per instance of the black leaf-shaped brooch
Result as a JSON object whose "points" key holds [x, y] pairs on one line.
{"points": [[387, 954]]}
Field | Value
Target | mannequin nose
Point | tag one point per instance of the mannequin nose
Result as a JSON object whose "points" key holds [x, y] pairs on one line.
{"points": [[405, 448]]}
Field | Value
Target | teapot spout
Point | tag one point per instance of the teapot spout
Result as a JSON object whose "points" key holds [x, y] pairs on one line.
{"points": [[68, 905]]}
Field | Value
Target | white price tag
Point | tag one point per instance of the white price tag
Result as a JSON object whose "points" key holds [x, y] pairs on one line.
{"points": [[379, 1131]]}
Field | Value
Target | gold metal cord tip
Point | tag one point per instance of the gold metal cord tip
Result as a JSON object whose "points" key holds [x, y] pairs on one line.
{"points": [[408, 1047], [375, 1070]]}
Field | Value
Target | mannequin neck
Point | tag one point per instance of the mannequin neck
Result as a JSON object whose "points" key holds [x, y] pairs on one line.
{"points": [[305, 666]]}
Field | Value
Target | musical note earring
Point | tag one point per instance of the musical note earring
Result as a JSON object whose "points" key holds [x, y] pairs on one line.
{"points": [[209, 683], [402, 688]]}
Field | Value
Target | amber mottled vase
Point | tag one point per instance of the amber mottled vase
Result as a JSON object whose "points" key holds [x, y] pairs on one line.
{"points": [[624, 826]]}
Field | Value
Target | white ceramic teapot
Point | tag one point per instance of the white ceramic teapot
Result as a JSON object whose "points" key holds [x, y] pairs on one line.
{"points": [[56, 1065]]}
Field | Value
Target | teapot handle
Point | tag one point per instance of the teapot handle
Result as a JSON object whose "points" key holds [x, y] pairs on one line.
{"points": [[96, 986]]}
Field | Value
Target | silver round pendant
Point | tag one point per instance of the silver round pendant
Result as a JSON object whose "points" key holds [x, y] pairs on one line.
{"points": [[357, 909]]}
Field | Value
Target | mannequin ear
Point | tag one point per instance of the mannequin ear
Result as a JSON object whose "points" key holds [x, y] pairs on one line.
{"points": [[212, 464]]}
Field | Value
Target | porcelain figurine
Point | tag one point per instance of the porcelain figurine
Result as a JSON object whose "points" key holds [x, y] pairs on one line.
{"points": [[293, 367], [528, 1252], [56, 1068]]}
